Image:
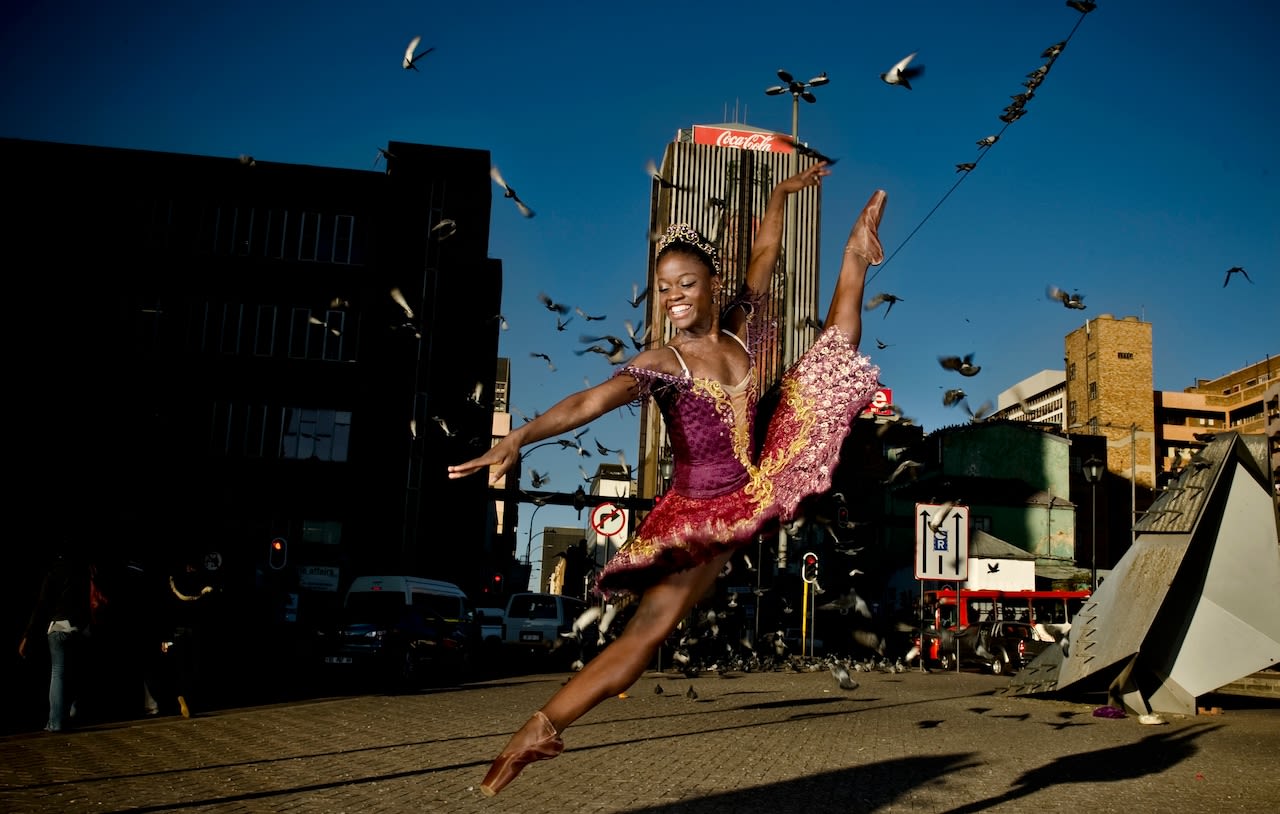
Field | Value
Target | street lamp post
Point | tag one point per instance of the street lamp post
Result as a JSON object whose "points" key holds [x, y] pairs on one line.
{"points": [[529, 545], [798, 90], [1093, 473]]}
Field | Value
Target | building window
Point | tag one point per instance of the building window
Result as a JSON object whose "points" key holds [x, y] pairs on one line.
{"points": [[1071, 372], [1093, 390], [324, 532], [1071, 413], [314, 434], [979, 523], [1124, 355]]}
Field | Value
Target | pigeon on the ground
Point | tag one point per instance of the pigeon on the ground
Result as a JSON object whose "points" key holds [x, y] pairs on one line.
{"points": [[842, 677]]}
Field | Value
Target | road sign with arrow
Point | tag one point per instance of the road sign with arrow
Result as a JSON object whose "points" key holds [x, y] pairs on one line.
{"points": [[942, 542]]}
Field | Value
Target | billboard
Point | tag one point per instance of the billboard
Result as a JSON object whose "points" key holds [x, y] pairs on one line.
{"points": [[881, 403], [764, 142]]}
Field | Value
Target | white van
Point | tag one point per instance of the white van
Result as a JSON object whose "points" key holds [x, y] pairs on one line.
{"points": [[405, 629], [444, 598], [535, 621]]}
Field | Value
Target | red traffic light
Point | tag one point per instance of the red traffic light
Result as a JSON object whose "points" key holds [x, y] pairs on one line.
{"points": [[278, 553], [809, 573]]}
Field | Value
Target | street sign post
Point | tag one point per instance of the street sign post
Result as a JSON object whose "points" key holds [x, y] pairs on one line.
{"points": [[942, 542]]}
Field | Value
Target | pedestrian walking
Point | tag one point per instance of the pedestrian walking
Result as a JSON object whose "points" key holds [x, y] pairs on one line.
{"points": [[62, 616]]}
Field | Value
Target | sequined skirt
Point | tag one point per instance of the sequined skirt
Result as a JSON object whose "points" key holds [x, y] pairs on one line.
{"points": [[820, 395]]}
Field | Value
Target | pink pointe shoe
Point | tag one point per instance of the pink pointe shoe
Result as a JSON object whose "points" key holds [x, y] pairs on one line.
{"points": [[545, 744], [864, 238]]}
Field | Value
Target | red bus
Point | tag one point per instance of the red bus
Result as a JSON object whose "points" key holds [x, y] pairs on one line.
{"points": [[945, 610]]}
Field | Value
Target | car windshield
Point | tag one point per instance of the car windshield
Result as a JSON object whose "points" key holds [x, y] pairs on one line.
{"points": [[533, 607], [374, 606], [1017, 631]]}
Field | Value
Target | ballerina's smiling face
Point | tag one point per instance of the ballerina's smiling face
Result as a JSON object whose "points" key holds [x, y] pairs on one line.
{"points": [[686, 288]]}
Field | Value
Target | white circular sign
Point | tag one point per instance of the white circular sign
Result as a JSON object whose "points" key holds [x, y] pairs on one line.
{"points": [[608, 520]]}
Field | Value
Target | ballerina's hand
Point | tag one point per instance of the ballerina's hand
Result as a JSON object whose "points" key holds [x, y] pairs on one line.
{"points": [[809, 177], [496, 459]]}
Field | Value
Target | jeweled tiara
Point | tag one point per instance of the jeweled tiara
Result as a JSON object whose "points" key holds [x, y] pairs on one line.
{"points": [[686, 234]]}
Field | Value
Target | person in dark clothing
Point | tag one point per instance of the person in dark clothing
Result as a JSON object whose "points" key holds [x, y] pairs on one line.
{"points": [[191, 593], [62, 615]]}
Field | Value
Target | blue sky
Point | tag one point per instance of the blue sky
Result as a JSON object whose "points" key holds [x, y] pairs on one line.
{"points": [[1145, 166]]}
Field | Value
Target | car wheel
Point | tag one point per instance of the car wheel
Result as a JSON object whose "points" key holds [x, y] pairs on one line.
{"points": [[997, 667]]}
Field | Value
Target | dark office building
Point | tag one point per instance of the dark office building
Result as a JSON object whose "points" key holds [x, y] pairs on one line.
{"points": [[212, 353]]}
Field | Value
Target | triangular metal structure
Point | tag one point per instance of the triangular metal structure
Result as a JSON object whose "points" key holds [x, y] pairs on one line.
{"points": [[1195, 603]]}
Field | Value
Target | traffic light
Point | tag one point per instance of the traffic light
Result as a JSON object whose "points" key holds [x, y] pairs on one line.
{"points": [[842, 517], [278, 553], [495, 585], [579, 500], [809, 569]]}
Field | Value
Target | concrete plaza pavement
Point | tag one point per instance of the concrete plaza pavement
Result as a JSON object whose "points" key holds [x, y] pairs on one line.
{"points": [[771, 742]]}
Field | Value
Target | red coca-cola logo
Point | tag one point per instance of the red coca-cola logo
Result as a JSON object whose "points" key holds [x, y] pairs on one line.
{"points": [[745, 141], [740, 139]]}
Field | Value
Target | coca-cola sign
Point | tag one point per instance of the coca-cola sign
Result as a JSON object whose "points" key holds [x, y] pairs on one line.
{"points": [[881, 403], [741, 139]]}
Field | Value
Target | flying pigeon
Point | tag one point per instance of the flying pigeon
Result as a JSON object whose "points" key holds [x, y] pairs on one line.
{"points": [[1235, 270], [1075, 300], [638, 296], [383, 154], [900, 74], [880, 344], [444, 426], [539, 479], [588, 317], [615, 353], [965, 366], [804, 149], [410, 58], [652, 168], [638, 338], [880, 299], [561, 324], [551, 305], [544, 357], [509, 192], [603, 450], [445, 228], [953, 397], [979, 414], [907, 467]]}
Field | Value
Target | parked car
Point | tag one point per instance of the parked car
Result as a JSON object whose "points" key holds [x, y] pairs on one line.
{"points": [[535, 621], [492, 622], [404, 631], [1000, 645]]}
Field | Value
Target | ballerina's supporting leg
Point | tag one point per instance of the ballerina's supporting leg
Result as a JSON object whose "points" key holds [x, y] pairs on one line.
{"points": [[615, 669], [861, 250]]}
